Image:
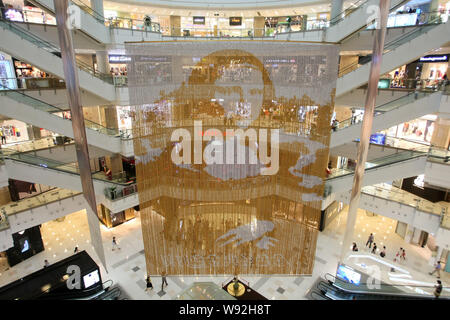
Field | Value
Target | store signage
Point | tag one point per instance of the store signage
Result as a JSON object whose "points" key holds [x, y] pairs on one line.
{"points": [[119, 58], [441, 58], [199, 20], [235, 21]]}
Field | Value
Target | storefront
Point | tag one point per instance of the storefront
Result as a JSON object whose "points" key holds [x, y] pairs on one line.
{"points": [[31, 77], [111, 219], [14, 130], [118, 68], [420, 130], [7, 74], [320, 21], [329, 214], [432, 69], [124, 119]]}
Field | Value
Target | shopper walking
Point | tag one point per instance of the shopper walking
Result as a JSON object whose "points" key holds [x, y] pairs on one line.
{"points": [[149, 285], [2, 135], [114, 244], [355, 247], [403, 255], [374, 250], [289, 21], [75, 250], [438, 289], [437, 268], [370, 240], [163, 280], [383, 252], [398, 254]]}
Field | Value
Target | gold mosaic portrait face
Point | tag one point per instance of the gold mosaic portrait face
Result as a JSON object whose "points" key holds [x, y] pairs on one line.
{"points": [[231, 141]]}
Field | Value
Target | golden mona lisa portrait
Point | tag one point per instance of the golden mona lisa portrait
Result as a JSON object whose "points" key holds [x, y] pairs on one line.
{"points": [[231, 141]]}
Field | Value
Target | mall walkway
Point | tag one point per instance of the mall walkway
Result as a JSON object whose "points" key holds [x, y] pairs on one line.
{"points": [[127, 266]]}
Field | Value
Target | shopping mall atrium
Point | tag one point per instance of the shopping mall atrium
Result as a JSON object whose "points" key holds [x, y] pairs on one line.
{"points": [[224, 150]]}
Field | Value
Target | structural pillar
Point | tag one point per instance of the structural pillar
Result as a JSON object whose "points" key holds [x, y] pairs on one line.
{"points": [[258, 26], [175, 26], [441, 133], [337, 6], [366, 128], [79, 131], [102, 62], [409, 234]]}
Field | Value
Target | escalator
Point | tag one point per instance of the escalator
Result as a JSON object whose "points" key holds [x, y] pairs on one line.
{"points": [[409, 47], [18, 105], [29, 167], [24, 45], [396, 166], [332, 288], [411, 106], [105, 31]]}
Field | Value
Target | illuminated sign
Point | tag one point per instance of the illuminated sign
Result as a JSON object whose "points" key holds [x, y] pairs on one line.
{"points": [[443, 58], [119, 59], [235, 21], [199, 20]]}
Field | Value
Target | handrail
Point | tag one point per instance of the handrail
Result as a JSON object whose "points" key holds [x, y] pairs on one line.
{"points": [[52, 164], [395, 286], [318, 296], [38, 104], [412, 155], [394, 43], [389, 106], [51, 48]]}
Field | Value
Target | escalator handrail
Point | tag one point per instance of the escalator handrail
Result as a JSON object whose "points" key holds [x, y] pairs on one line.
{"points": [[322, 297], [405, 294], [389, 46], [10, 156], [425, 94], [51, 48], [93, 124], [351, 172]]}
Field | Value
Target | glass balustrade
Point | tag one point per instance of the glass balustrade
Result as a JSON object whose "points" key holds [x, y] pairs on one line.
{"points": [[389, 192], [378, 163], [51, 48], [45, 198], [392, 105], [389, 289], [53, 110], [395, 43]]}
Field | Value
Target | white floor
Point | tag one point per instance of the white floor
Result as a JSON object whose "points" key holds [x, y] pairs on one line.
{"points": [[126, 267]]}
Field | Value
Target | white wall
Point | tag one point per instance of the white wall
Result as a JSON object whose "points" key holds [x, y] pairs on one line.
{"points": [[3, 176], [356, 98], [350, 150], [58, 98], [438, 174]]}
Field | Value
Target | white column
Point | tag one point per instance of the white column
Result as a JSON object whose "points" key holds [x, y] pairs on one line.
{"points": [[409, 233], [102, 62], [337, 6], [97, 6]]}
